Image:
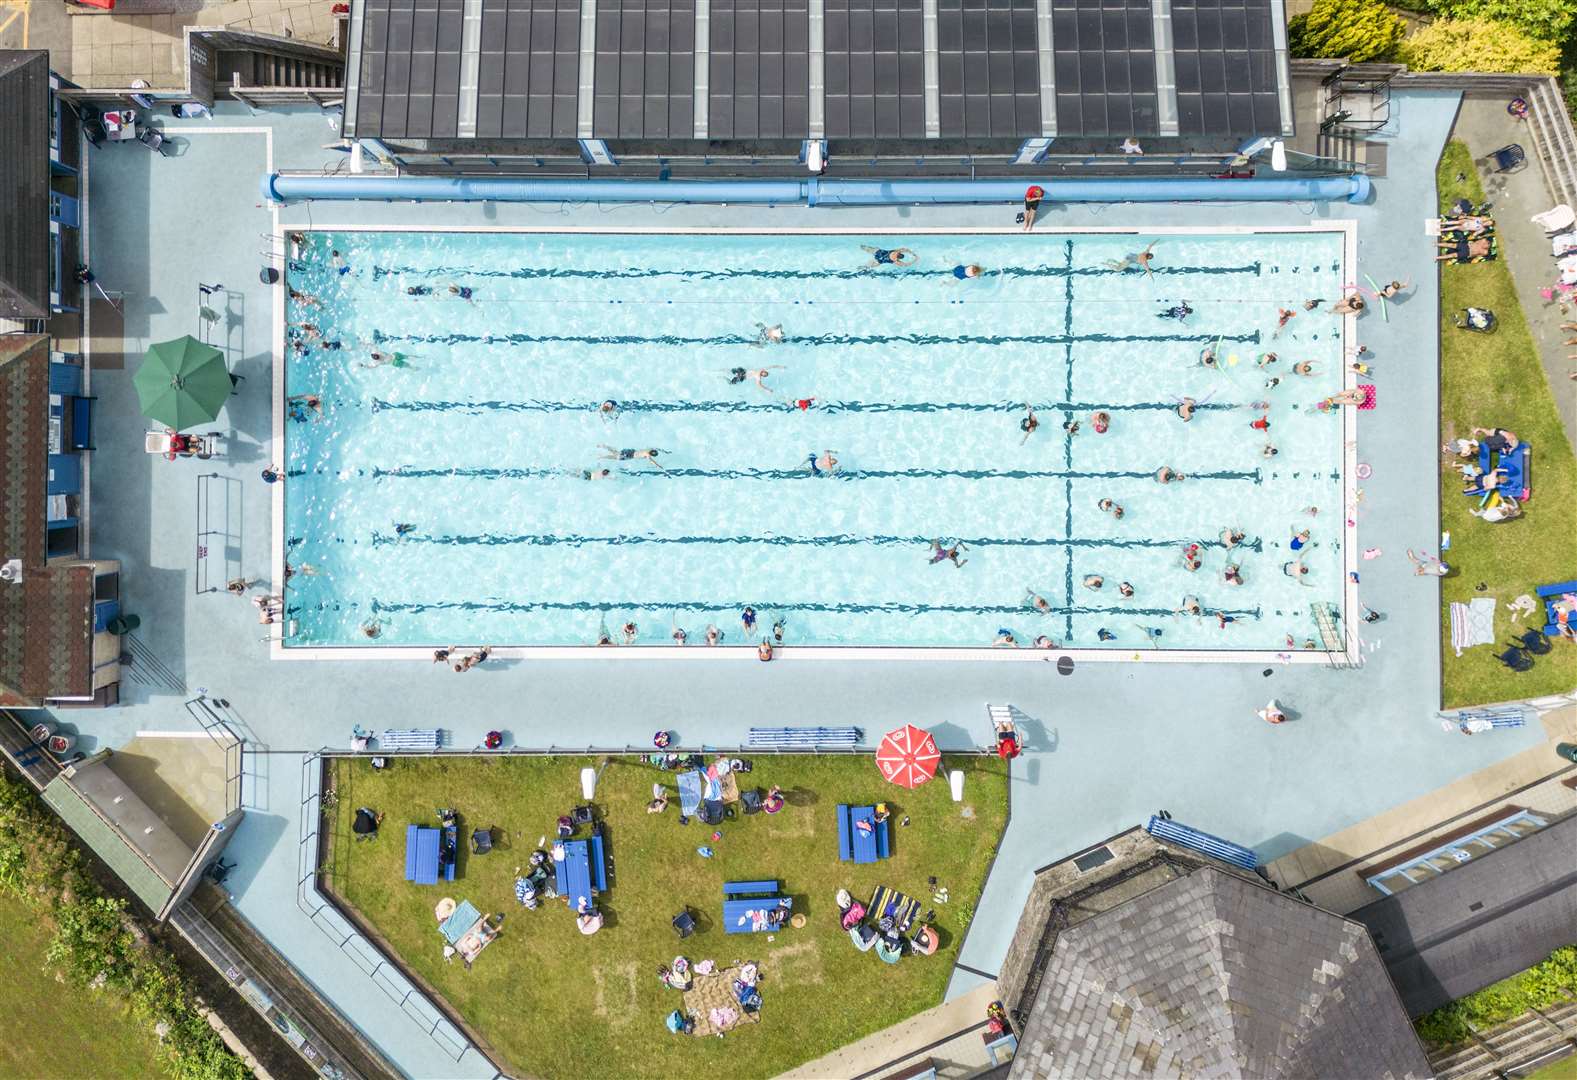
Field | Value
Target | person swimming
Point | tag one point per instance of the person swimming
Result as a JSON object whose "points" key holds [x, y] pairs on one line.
{"points": [[464, 292], [1185, 409], [891, 257], [747, 619], [1028, 424], [630, 454], [1038, 602], [403, 528], [1233, 574], [777, 631], [608, 410], [1101, 421], [942, 554], [1179, 311], [1125, 590], [1262, 424], [1166, 474], [1093, 582], [393, 359], [595, 474], [1299, 541], [823, 465], [768, 335], [1104, 634], [1231, 538], [970, 271], [1265, 359], [417, 290]]}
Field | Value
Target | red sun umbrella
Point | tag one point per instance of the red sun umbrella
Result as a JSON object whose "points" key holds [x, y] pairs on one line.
{"points": [[908, 756]]}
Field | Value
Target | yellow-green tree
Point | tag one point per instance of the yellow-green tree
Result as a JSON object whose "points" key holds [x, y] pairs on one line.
{"points": [[1356, 30], [1478, 45]]}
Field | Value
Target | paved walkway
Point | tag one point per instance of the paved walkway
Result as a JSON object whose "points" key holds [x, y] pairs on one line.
{"points": [[1106, 745]]}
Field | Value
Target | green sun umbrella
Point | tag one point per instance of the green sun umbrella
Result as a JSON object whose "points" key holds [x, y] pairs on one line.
{"points": [[182, 383]]}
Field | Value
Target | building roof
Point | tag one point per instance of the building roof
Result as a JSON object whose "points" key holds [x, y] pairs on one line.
{"points": [[46, 622], [1214, 975], [24, 178], [753, 70], [1482, 921], [133, 866]]}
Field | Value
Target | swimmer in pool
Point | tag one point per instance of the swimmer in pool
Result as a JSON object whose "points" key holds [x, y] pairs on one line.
{"points": [[1044, 642], [1185, 409], [1222, 618], [1028, 424], [679, 636], [768, 335], [1265, 359], [1138, 260], [608, 410], [969, 271], [1180, 311], [1005, 638], [1310, 305], [595, 474], [1190, 606], [1231, 538], [1100, 422], [1233, 574], [417, 290], [1296, 571], [1351, 304], [1299, 541], [1125, 590], [1104, 634], [890, 257], [713, 634], [393, 359], [824, 465], [403, 528], [1038, 602], [757, 376], [1270, 451], [615, 454], [1110, 507], [464, 292], [1093, 582], [1071, 427], [747, 619], [777, 631], [1305, 367], [1283, 316], [1262, 424], [631, 631], [1166, 474], [940, 553]]}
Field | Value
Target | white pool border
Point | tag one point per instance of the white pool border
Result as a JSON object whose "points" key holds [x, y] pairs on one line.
{"points": [[1350, 656]]}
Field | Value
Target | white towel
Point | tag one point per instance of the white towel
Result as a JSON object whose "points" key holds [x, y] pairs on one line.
{"points": [[1472, 623]]}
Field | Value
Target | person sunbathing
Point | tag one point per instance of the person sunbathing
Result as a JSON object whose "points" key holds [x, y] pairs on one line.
{"points": [[1465, 249], [1487, 482], [1473, 224]]}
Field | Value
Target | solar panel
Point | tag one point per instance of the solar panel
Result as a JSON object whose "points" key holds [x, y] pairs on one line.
{"points": [[759, 73], [988, 54], [1104, 59], [1226, 67], [644, 72]]}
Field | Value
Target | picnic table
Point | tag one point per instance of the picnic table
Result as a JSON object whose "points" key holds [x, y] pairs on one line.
{"points": [[579, 872], [750, 907], [423, 861], [861, 838]]}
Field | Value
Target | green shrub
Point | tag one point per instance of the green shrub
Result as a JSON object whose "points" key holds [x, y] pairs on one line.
{"points": [[1357, 30], [1478, 45], [96, 942], [1547, 20], [1552, 980]]}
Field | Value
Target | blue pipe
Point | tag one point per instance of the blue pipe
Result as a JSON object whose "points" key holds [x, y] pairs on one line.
{"points": [[810, 191]]}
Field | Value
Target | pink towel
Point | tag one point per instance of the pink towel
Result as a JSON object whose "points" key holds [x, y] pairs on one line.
{"points": [[1368, 397]]}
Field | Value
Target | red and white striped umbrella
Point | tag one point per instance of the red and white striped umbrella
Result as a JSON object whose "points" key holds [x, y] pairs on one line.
{"points": [[908, 756]]}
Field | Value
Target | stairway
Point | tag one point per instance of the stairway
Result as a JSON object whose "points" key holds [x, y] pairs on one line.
{"points": [[270, 69]]}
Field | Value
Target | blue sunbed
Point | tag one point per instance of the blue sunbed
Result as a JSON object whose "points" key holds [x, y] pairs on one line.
{"points": [[1551, 595], [755, 914], [421, 855], [689, 792]]}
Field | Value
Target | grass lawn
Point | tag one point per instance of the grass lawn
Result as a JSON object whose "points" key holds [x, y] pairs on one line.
{"points": [[1495, 380], [1564, 1069], [556, 1004], [55, 1029]]}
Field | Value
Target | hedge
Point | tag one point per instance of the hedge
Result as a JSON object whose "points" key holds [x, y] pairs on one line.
{"points": [[1552, 980]]}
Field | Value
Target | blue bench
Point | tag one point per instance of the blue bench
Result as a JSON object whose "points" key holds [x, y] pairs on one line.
{"points": [[599, 868], [757, 914], [1551, 595], [421, 855], [779, 738], [861, 845]]}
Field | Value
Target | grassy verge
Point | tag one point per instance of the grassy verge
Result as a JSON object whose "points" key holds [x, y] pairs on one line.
{"points": [[57, 1030], [556, 1004], [1549, 982], [1495, 380]]}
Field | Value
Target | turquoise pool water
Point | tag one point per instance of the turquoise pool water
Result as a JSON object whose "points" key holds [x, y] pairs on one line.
{"points": [[443, 500]]}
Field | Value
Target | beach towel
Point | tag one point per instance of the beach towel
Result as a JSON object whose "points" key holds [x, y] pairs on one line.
{"points": [[1472, 623], [1368, 397], [463, 918]]}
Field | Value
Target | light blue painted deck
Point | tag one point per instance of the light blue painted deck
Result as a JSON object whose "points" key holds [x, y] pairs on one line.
{"points": [[1105, 746]]}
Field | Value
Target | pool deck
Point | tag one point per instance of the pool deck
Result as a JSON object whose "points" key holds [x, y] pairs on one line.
{"points": [[1105, 746]]}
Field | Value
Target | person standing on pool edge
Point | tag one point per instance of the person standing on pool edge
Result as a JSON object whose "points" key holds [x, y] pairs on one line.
{"points": [[1032, 196]]}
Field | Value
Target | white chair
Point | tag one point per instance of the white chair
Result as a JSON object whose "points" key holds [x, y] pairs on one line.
{"points": [[1555, 219], [156, 442]]}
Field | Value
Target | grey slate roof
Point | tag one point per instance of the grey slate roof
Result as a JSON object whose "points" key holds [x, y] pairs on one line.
{"points": [[1480, 922], [1214, 976], [24, 184]]}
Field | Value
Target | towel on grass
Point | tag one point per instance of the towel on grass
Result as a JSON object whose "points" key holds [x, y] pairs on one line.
{"points": [[1472, 623]]}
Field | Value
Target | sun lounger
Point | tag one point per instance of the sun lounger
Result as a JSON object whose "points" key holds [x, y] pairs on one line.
{"points": [[1551, 595], [410, 739], [783, 738], [421, 855]]}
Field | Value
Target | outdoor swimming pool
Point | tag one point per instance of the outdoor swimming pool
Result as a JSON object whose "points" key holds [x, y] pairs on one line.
{"points": [[441, 498]]}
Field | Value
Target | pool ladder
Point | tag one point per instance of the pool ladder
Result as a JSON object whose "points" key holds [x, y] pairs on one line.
{"points": [[1330, 636]]}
